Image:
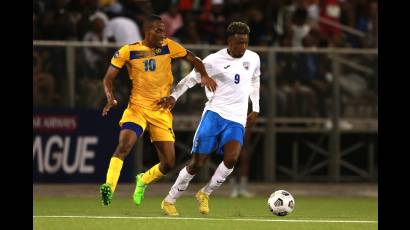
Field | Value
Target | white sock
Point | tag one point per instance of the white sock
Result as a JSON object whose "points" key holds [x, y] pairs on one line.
{"points": [[220, 175], [180, 185], [243, 183], [233, 183]]}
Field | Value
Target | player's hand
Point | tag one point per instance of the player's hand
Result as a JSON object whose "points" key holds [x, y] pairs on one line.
{"points": [[208, 82], [251, 120], [110, 103], [167, 102]]}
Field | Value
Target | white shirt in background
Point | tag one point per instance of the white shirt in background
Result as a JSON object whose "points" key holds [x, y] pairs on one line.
{"points": [[123, 29]]}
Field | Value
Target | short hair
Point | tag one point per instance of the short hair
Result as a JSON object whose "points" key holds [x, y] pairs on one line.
{"points": [[237, 28], [150, 19]]}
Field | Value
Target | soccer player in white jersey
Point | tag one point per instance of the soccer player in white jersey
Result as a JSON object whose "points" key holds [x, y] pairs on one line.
{"points": [[236, 71]]}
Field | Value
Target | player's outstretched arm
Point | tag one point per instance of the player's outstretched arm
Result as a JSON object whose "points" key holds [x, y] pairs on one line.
{"points": [[108, 82], [199, 66]]}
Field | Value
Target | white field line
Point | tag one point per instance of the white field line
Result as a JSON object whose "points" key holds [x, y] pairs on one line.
{"points": [[213, 219]]}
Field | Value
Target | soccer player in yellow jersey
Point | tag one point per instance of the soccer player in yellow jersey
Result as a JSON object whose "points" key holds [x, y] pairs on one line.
{"points": [[149, 67]]}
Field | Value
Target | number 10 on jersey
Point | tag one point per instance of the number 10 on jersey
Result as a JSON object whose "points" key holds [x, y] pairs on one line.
{"points": [[149, 65]]}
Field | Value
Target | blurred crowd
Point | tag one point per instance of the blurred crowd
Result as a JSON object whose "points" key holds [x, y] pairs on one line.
{"points": [[303, 79], [204, 21]]}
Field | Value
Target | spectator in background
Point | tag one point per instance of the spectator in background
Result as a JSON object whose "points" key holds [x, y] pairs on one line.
{"points": [[56, 23], [43, 84], [219, 37], [285, 75], [284, 18], [212, 21], [314, 68], [51, 21], [365, 22], [107, 3], [189, 33], [89, 83], [347, 13], [268, 37], [300, 27], [138, 10], [313, 13], [95, 56], [256, 22], [80, 12], [120, 29], [330, 10], [292, 83], [189, 6], [234, 10], [185, 5], [173, 20], [77, 10]]}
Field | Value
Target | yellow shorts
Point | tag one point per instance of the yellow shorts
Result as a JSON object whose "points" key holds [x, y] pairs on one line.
{"points": [[157, 122]]}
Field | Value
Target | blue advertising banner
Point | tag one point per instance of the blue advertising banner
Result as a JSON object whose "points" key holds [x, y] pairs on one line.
{"points": [[75, 145]]}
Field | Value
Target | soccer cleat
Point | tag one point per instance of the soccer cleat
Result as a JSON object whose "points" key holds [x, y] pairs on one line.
{"points": [[234, 193], [203, 200], [106, 194], [139, 189], [169, 208]]}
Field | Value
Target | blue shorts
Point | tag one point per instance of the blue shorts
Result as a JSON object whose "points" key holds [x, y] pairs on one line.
{"points": [[214, 132]]}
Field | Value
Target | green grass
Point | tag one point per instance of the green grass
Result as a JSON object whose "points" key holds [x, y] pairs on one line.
{"points": [[306, 208]]}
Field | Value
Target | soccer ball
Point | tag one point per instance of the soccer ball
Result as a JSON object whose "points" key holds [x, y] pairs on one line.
{"points": [[281, 203]]}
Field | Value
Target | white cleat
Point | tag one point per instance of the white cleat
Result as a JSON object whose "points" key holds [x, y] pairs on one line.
{"points": [[245, 194], [234, 193]]}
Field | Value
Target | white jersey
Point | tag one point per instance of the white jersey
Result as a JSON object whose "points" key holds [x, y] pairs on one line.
{"points": [[237, 80]]}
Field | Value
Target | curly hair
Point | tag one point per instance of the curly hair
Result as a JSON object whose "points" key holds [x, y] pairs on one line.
{"points": [[237, 28]]}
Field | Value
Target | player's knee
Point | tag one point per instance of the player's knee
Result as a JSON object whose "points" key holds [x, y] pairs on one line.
{"points": [[199, 164], [122, 150]]}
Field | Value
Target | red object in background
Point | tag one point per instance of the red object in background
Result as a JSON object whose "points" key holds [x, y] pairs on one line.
{"points": [[330, 10], [185, 5]]}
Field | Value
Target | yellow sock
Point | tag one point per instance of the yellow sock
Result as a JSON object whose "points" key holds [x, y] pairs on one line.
{"points": [[152, 174], [113, 172]]}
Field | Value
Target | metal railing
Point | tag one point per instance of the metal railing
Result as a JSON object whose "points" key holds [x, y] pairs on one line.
{"points": [[345, 28]]}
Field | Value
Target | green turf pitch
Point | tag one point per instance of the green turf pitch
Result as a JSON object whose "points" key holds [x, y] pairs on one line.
{"points": [[225, 213]]}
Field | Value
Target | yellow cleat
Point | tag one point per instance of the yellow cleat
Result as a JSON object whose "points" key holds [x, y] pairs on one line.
{"points": [[169, 208], [203, 200]]}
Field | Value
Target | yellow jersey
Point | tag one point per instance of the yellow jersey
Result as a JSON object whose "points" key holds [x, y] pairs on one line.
{"points": [[149, 70]]}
